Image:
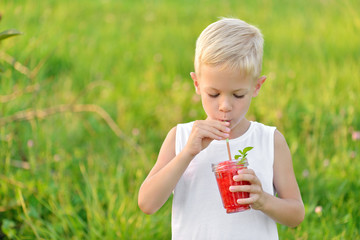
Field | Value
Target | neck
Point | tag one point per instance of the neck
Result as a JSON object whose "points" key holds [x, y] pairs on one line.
{"points": [[240, 129]]}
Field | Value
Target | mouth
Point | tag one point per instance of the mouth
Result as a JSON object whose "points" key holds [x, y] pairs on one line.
{"points": [[226, 121]]}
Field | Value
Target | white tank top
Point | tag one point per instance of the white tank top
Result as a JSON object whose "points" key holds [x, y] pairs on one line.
{"points": [[197, 210]]}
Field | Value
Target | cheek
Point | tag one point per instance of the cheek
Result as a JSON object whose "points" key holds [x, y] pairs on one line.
{"points": [[209, 105], [243, 107]]}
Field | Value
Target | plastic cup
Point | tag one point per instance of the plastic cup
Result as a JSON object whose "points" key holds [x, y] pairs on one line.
{"points": [[224, 173]]}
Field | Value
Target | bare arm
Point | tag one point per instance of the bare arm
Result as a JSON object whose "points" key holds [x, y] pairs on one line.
{"points": [[169, 167], [164, 176], [287, 208]]}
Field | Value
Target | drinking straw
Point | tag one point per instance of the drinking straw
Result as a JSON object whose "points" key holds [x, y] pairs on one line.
{"points": [[228, 148]]}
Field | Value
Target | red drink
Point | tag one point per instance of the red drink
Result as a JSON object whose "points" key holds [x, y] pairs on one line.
{"points": [[224, 173]]}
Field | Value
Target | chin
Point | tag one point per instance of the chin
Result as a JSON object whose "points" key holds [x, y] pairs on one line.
{"points": [[234, 124]]}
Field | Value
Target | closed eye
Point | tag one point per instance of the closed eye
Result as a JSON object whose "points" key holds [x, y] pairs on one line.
{"points": [[214, 95], [239, 96]]}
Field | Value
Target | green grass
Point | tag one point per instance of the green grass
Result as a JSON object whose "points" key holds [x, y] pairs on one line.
{"points": [[70, 176]]}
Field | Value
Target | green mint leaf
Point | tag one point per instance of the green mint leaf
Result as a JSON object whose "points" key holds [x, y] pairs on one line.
{"points": [[243, 155], [247, 149]]}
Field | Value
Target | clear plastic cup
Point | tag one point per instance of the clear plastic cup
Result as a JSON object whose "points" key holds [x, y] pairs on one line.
{"points": [[224, 173]]}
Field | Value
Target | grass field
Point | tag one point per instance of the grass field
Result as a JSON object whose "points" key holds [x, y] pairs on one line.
{"points": [[90, 89]]}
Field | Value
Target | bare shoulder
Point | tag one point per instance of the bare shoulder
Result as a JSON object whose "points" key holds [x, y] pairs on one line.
{"points": [[284, 177], [171, 137], [281, 148], [282, 157], [167, 150], [280, 140], [166, 153]]}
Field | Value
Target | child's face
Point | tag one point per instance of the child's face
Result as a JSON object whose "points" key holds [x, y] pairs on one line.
{"points": [[226, 95]]}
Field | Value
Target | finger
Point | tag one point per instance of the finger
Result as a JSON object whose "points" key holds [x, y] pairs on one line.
{"points": [[208, 129], [249, 200], [216, 127], [203, 134], [212, 135], [217, 132], [246, 171], [222, 126], [246, 177], [241, 188]]}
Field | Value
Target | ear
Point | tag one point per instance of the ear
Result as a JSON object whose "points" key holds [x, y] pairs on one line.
{"points": [[258, 85], [196, 82]]}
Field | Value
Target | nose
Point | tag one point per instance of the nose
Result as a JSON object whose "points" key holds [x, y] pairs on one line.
{"points": [[225, 104]]}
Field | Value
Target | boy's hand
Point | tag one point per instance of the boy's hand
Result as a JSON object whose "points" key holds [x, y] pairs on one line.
{"points": [[203, 133], [257, 195]]}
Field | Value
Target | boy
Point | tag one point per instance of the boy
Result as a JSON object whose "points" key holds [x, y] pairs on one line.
{"points": [[228, 61]]}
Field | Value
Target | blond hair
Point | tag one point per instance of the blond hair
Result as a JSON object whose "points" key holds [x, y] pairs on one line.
{"points": [[230, 43]]}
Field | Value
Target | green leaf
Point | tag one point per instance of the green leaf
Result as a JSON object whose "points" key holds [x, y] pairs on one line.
{"points": [[243, 155], [8, 227], [247, 149], [9, 33]]}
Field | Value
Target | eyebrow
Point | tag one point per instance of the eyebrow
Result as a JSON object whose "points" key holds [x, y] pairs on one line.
{"points": [[236, 90]]}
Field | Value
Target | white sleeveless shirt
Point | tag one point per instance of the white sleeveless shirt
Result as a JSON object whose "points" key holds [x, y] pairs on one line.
{"points": [[197, 210]]}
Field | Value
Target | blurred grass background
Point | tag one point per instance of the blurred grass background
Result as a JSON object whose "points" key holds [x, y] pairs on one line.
{"points": [[66, 174]]}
